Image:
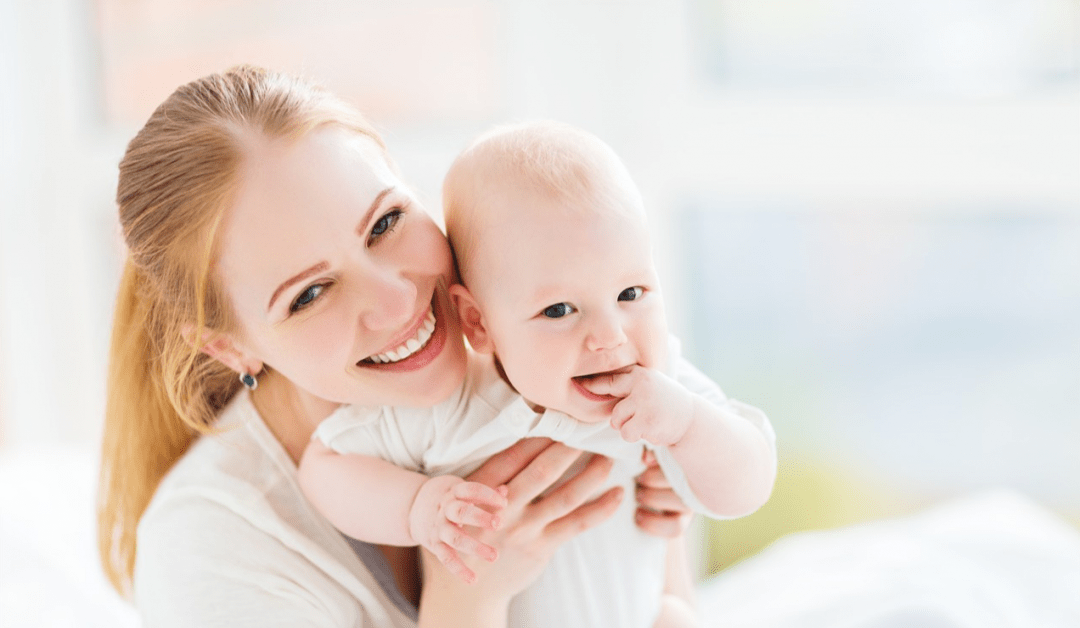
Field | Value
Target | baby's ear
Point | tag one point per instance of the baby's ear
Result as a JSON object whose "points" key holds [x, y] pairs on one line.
{"points": [[472, 321]]}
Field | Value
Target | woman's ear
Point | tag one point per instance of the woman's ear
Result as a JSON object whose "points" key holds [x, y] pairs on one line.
{"points": [[472, 320], [223, 348]]}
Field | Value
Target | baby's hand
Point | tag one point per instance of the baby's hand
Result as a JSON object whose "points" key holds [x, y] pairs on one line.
{"points": [[442, 506], [653, 406]]}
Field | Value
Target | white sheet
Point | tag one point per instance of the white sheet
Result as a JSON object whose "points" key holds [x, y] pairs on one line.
{"points": [[994, 560], [49, 574]]}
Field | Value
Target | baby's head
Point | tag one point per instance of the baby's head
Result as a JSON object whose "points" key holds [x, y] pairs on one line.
{"points": [[555, 257]]}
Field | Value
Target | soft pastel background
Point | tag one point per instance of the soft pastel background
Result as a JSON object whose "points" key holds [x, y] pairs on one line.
{"points": [[867, 214]]}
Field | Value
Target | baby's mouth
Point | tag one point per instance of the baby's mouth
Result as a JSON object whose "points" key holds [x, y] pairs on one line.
{"points": [[592, 376], [419, 340], [584, 381]]}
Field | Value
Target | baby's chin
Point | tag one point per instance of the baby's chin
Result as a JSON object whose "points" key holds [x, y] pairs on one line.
{"points": [[599, 414]]}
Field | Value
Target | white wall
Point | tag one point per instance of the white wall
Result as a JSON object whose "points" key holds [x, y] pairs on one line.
{"points": [[916, 140], [55, 226]]}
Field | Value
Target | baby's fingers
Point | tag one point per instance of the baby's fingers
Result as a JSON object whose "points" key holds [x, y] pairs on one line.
{"points": [[457, 539], [480, 494], [464, 513], [616, 383], [450, 559], [627, 421]]}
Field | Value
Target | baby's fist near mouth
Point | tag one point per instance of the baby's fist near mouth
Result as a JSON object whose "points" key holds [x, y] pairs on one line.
{"points": [[653, 407]]}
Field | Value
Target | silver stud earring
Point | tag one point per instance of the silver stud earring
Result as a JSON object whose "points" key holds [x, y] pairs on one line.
{"points": [[249, 381]]}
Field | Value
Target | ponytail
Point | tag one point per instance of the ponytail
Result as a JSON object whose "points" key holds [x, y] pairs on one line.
{"points": [[144, 435]]}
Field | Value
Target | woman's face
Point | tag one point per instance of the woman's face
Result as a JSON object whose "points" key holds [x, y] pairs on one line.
{"points": [[335, 273]]}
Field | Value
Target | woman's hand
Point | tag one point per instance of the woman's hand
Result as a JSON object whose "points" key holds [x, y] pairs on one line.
{"points": [[660, 511], [533, 527]]}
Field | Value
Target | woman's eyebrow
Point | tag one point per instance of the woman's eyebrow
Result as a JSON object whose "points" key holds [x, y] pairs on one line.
{"points": [[361, 226], [302, 275], [322, 266]]}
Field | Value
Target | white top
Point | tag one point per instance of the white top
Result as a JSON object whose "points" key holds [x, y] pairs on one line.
{"points": [[611, 575], [229, 540]]}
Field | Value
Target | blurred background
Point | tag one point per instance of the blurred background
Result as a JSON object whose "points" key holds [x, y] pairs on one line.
{"points": [[867, 215]]}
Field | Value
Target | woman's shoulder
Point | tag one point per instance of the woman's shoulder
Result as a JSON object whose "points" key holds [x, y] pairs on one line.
{"points": [[234, 472], [229, 529], [201, 562], [240, 451]]}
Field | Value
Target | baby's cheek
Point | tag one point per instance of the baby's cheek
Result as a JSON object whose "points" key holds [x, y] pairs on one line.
{"points": [[538, 381], [658, 343]]}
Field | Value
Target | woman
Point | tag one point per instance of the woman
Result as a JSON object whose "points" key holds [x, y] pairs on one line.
{"points": [[223, 279]]}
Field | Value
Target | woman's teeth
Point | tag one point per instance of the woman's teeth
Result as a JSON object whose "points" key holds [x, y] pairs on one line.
{"points": [[411, 346]]}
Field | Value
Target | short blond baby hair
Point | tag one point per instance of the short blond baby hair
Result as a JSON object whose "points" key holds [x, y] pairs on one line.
{"points": [[546, 158]]}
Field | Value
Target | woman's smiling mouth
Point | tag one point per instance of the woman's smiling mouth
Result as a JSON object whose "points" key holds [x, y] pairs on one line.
{"points": [[410, 346], [428, 336]]}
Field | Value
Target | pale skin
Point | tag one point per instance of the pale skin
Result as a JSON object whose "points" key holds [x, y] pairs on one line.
{"points": [[576, 319], [569, 301], [356, 264]]}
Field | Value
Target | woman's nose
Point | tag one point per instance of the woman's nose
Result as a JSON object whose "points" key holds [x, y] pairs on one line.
{"points": [[389, 300], [606, 332]]}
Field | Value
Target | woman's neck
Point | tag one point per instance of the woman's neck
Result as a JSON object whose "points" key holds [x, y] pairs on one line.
{"points": [[291, 414]]}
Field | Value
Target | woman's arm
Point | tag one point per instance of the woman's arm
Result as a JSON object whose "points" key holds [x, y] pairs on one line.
{"points": [[662, 513], [532, 529]]}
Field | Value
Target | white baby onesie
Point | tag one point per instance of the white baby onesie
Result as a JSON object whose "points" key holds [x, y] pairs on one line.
{"points": [[609, 576]]}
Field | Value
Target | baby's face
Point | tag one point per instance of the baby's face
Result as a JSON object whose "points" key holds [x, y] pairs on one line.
{"points": [[567, 295]]}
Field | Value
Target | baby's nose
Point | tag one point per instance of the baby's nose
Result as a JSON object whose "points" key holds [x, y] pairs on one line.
{"points": [[606, 333]]}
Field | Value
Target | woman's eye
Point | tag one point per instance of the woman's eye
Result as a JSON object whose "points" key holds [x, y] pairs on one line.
{"points": [[307, 297], [384, 224], [558, 310], [631, 294]]}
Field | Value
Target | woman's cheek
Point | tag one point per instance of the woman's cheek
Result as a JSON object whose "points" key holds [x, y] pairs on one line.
{"points": [[327, 340], [423, 246]]}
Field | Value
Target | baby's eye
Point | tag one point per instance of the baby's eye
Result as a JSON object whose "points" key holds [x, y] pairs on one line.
{"points": [[631, 294], [558, 310], [384, 224], [307, 297]]}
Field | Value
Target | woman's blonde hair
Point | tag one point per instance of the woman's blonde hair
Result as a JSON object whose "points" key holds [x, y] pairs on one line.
{"points": [[176, 180]]}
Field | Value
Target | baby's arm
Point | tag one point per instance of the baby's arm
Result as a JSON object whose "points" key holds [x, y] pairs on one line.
{"points": [[728, 461], [375, 501]]}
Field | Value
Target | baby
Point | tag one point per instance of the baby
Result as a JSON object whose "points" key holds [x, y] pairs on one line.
{"points": [[560, 301]]}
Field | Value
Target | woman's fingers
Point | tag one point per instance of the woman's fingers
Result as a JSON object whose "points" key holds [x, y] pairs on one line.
{"points": [[653, 477], [507, 464], [547, 467], [575, 492], [661, 512], [667, 525], [662, 499], [586, 516]]}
